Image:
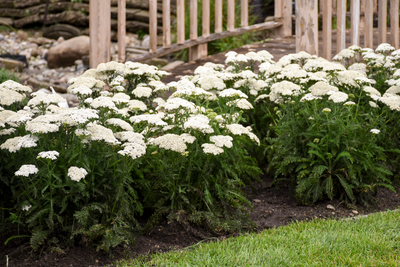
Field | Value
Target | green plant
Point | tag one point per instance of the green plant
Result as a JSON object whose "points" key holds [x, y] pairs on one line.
{"points": [[7, 75]]}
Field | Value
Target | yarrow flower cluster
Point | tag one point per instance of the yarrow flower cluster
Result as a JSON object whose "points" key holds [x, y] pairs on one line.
{"points": [[76, 174], [52, 155], [27, 170]]}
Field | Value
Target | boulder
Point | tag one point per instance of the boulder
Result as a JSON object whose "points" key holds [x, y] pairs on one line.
{"points": [[11, 64], [65, 54]]}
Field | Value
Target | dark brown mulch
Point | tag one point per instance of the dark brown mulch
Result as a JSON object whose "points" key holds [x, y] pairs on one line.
{"points": [[273, 207]]}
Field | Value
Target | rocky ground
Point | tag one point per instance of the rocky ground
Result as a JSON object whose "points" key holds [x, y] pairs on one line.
{"points": [[43, 63]]}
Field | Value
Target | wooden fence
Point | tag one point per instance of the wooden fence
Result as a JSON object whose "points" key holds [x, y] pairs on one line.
{"points": [[361, 15], [306, 19]]}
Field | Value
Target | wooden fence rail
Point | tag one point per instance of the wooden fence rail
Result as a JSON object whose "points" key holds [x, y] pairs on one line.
{"points": [[306, 17]]}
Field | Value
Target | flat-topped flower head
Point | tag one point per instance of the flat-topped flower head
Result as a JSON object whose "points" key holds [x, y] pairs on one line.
{"points": [[134, 150], [76, 174], [9, 97], [171, 142], [309, 97], [238, 129], [371, 91], [120, 123], [384, 48], [199, 122], [16, 143], [81, 90], [375, 131], [222, 140], [232, 93], [152, 119], [52, 155], [240, 103], [119, 98], [41, 98], [327, 110], [349, 103], [101, 133], [142, 91], [345, 54], [284, 88], [26, 170], [338, 97], [209, 82], [212, 149], [16, 87], [103, 102]]}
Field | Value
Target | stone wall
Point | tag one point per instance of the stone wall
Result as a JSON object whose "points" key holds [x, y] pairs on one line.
{"points": [[27, 13]]}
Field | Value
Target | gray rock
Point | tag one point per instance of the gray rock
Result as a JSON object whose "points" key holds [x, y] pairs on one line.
{"points": [[11, 64], [65, 54], [1, 37], [330, 207], [172, 65]]}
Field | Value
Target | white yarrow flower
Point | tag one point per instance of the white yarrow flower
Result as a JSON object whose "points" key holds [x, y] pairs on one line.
{"points": [[52, 155], [212, 149], [76, 174], [27, 170], [375, 131]]}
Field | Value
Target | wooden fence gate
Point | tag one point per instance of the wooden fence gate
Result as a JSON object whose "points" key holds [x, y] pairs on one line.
{"points": [[306, 18]]}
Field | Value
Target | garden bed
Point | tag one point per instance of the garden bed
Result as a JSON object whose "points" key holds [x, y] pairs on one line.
{"points": [[128, 167], [273, 207]]}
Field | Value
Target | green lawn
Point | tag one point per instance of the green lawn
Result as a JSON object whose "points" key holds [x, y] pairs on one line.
{"points": [[364, 241]]}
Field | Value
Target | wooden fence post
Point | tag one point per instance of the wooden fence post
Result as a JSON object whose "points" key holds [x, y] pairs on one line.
{"points": [[203, 48], [382, 17], [307, 26], [244, 5], [394, 23], [341, 26], [278, 32], [121, 30], [218, 16], [100, 31], [327, 30], [369, 24], [355, 22], [287, 11], [153, 25], [166, 23], [231, 15], [180, 17], [194, 50]]}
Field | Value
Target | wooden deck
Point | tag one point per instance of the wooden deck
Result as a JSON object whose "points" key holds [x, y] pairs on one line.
{"points": [[278, 47]]}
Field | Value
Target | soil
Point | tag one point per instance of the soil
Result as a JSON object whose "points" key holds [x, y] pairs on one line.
{"points": [[273, 207]]}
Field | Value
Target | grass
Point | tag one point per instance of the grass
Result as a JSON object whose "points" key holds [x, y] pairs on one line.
{"points": [[363, 241]]}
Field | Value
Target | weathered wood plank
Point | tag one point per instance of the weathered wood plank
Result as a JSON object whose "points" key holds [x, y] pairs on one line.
{"points": [[153, 26], [180, 12], [100, 32], [394, 23], [212, 37], [166, 23], [369, 24], [341, 26], [121, 30], [382, 17], [307, 26], [327, 30], [355, 22]]}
